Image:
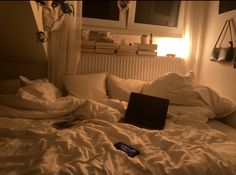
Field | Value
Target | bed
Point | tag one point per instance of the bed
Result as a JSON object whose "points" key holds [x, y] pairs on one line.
{"points": [[192, 142]]}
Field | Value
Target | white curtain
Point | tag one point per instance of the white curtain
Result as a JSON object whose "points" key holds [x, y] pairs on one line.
{"points": [[63, 43], [194, 31]]}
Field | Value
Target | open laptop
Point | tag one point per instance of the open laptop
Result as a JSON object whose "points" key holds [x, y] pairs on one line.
{"points": [[146, 111]]}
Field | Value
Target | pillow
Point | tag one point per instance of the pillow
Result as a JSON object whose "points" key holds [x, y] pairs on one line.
{"points": [[89, 86], [174, 87], [40, 88], [118, 88], [182, 90]]}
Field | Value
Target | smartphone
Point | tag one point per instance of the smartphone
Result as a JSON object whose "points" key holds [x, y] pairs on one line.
{"points": [[63, 124], [127, 149]]}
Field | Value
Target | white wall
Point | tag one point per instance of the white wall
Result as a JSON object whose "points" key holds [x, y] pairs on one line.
{"points": [[219, 76]]}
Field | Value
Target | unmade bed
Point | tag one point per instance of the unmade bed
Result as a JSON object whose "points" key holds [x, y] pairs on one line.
{"points": [[192, 142]]}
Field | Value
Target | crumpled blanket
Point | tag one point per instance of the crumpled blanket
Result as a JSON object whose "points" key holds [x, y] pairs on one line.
{"points": [[183, 90], [186, 145], [35, 147]]}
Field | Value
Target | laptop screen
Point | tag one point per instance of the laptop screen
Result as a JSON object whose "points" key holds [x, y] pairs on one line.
{"points": [[147, 110]]}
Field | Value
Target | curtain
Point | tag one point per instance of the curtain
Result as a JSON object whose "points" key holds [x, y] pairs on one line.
{"points": [[194, 31], [63, 42]]}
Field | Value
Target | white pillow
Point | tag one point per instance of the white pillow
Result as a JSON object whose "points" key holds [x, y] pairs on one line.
{"points": [[174, 87], [118, 88], [89, 86]]}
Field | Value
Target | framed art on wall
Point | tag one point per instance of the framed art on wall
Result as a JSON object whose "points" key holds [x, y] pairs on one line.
{"points": [[225, 6]]}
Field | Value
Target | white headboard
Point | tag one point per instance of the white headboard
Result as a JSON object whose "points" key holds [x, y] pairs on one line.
{"points": [[144, 68]]}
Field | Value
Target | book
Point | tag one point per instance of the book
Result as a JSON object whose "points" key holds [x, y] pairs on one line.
{"points": [[108, 51], [87, 47], [106, 47], [126, 52], [104, 39], [128, 47], [87, 42], [106, 44], [91, 50], [148, 47], [147, 53]]}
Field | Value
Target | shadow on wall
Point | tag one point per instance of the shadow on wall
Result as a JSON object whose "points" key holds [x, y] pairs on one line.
{"points": [[20, 52]]}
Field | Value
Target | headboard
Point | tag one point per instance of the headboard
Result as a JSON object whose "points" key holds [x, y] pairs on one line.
{"points": [[144, 68]]}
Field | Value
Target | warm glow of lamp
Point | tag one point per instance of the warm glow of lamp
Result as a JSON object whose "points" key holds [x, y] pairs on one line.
{"points": [[177, 46]]}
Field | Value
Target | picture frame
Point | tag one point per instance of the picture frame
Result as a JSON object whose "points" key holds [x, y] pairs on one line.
{"points": [[225, 6]]}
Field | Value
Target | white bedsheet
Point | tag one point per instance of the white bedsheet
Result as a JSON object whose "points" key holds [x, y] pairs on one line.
{"points": [[87, 148], [220, 126], [186, 146]]}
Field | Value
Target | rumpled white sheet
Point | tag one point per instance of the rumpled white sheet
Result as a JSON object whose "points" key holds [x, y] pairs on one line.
{"points": [[186, 145], [109, 109], [183, 90], [85, 109], [186, 97], [41, 109], [34, 147]]}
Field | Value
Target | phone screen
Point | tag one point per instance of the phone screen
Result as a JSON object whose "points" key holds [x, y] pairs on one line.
{"points": [[127, 149]]}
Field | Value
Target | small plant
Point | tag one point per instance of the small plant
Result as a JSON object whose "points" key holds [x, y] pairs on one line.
{"points": [[41, 2], [41, 37], [66, 8]]}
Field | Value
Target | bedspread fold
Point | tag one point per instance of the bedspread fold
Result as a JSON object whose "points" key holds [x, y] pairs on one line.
{"points": [[88, 148]]}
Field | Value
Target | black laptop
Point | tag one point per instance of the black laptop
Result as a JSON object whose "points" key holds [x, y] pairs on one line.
{"points": [[146, 111]]}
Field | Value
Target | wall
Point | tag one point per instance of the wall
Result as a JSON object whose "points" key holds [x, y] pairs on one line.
{"points": [[20, 51], [219, 76]]}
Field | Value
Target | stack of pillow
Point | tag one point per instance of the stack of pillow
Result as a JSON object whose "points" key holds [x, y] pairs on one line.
{"points": [[101, 86], [179, 89]]}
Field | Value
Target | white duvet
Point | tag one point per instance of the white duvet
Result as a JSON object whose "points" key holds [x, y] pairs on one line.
{"points": [[30, 145], [186, 145], [87, 148]]}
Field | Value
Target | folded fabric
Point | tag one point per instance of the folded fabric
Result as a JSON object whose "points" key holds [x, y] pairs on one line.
{"points": [[182, 90], [39, 88], [119, 88]]}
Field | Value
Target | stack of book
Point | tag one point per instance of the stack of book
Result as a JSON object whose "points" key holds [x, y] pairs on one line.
{"points": [[127, 49], [147, 49], [106, 47], [87, 46]]}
